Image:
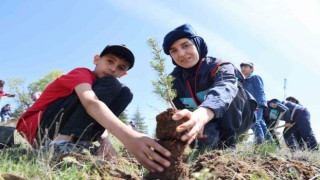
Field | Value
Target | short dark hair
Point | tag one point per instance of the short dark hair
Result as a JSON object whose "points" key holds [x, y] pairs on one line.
{"points": [[292, 99]]}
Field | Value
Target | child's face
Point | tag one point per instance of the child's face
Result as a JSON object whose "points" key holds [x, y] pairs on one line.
{"points": [[184, 53], [246, 70], [110, 65]]}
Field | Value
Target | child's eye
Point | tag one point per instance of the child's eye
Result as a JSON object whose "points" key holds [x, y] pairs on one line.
{"points": [[122, 68], [186, 45], [172, 51]]}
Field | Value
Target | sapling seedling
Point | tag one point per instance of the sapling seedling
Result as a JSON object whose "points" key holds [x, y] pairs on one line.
{"points": [[166, 133], [163, 85]]}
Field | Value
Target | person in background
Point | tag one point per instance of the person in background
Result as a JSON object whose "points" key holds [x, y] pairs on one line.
{"points": [[5, 112], [209, 93], [132, 125], [35, 95], [297, 120], [272, 116], [81, 105], [2, 92], [297, 134], [292, 99], [254, 84]]}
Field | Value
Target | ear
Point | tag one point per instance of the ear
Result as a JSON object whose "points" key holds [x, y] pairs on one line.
{"points": [[124, 73], [96, 58]]}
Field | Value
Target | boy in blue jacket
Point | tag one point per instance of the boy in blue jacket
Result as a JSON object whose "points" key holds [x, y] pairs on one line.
{"points": [[254, 84], [208, 92]]}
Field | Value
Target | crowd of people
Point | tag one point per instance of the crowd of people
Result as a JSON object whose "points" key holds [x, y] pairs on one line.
{"points": [[220, 102]]}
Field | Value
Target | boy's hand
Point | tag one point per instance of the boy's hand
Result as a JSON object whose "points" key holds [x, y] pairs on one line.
{"points": [[195, 124], [143, 149], [287, 125]]}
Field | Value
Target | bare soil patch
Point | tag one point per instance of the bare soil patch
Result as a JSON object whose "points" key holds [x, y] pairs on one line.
{"points": [[213, 165], [218, 166]]}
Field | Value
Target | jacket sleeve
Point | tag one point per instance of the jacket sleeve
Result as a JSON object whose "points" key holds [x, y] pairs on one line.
{"points": [[283, 108], [259, 91], [223, 90], [286, 117]]}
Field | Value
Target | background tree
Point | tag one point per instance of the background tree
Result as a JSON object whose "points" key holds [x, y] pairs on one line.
{"points": [[42, 83], [139, 122], [22, 99], [124, 117]]}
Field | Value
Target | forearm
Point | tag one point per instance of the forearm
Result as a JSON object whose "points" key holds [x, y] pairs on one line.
{"points": [[220, 97], [204, 114], [104, 116], [222, 92]]}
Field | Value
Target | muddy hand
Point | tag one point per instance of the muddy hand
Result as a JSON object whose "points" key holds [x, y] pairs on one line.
{"points": [[195, 124], [143, 149]]}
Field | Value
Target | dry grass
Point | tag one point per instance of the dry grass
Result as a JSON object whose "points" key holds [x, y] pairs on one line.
{"points": [[245, 162]]}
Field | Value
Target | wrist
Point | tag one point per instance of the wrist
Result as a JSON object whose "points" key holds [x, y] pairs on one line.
{"points": [[206, 113]]}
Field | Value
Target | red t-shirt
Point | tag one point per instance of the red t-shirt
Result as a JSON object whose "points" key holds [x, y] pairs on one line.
{"points": [[61, 87]]}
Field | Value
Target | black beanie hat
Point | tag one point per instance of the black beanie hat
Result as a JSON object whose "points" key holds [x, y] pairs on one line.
{"points": [[183, 31]]}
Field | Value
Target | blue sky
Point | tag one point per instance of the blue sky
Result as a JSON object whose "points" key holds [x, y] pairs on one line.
{"points": [[281, 37]]}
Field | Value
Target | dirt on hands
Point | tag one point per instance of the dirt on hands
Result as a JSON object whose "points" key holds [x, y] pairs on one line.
{"points": [[169, 138]]}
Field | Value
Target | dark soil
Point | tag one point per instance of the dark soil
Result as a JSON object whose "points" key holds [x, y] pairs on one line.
{"points": [[166, 127], [218, 166], [214, 165], [169, 138]]}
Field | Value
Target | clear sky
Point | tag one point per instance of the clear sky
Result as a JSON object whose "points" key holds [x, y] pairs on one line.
{"points": [[281, 37]]}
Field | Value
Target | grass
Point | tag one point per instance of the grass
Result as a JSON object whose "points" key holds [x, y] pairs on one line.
{"points": [[32, 164]]}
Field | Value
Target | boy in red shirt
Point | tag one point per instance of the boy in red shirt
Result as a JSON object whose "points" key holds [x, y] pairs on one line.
{"points": [[79, 106]]}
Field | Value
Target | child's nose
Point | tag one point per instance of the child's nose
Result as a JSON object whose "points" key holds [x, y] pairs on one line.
{"points": [[112, 68], [181, 52]]}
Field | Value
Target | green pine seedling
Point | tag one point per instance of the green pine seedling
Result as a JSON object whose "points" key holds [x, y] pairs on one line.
{"points": [[163, 85]]}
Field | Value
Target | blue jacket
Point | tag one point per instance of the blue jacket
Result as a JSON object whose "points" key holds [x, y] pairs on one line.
{"points": [[214, 84], [6, 111], [292, 110], [254, 84]]}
